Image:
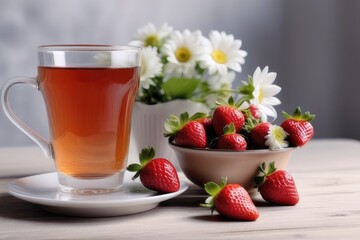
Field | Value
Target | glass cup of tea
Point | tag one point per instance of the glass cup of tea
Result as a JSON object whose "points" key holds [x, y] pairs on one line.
{"points": [[89, 92]]}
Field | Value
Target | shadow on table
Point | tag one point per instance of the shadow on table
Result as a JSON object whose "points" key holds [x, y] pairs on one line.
{"points": [[13, 208], [192, 197]]}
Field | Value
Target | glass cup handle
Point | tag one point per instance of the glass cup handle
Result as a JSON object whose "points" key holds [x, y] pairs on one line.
{"points": [[33, 82]]}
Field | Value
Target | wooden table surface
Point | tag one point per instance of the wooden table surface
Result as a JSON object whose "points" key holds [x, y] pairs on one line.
{"points": [[327, 174]]}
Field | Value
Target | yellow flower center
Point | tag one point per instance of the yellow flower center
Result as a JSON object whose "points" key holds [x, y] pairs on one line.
{"points": [[219, 56], [279, 134], [151, 40], [261, 95], [182, 54]]}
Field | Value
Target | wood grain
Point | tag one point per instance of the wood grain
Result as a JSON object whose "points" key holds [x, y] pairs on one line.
{"points": [[327, 174]]}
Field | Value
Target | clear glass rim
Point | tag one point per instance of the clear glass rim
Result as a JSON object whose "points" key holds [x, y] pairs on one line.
{"points": [[87, 47]]}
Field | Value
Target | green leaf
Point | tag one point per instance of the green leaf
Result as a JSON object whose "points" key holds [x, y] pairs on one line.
{"points": [[248, 87], [184, 118], [146, 155], [212, 188], [297, 115], [230, 128], [271, 168], [181, 88], [231, 101], [286, 115], [259, 180], [197, 115], [171, 125], [223, 182], [134, 167]]}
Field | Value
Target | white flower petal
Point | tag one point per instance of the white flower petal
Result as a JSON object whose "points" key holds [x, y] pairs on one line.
{"points": [[268, 110], [227, 45], [273, 101], [270, 90], [256, 76], [269, 78]]}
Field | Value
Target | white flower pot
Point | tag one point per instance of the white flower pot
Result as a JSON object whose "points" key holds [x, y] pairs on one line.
{"points": [[148, 125]]}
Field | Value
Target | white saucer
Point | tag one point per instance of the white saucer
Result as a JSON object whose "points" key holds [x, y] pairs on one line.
{"points": [[133, 197]]}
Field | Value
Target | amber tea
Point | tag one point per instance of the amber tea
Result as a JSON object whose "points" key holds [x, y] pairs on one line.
{"points": [[89, 111]]}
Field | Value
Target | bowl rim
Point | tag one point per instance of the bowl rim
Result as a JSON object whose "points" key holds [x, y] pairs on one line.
{"points": [[224, 151]]}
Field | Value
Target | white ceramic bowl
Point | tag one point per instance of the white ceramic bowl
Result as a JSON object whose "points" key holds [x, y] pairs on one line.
{"points": [[204, 165]]}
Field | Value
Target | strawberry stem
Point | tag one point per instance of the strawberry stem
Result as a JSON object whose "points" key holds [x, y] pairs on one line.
{"points": [[146, 155]]}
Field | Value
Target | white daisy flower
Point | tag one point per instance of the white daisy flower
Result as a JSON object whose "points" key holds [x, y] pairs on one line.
{"points": [[276, 138], [223, 53], [151, 66], [264, 92], [149, 35], [217, 81], [183, 51]]}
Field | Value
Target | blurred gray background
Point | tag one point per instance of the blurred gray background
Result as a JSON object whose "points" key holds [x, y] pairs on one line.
{"points": [[313, 45]]}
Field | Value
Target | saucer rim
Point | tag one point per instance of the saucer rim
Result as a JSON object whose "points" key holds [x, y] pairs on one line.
{"points": [[85, 204]]}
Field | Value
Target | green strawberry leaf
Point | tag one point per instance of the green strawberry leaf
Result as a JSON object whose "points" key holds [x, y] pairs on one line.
{"points": [[184, 118], [297, 115], [171, 125], [263, 173], [180, 88], [212, 188], [229, 129], [271, 168], [146, 155], [134, 167], [197, 115], [259, 180], [231, 101]]}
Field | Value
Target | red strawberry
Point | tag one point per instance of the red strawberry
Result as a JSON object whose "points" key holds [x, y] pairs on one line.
{"points": [[298, 127], [225, 114], [231, 140], [187, 132], [206, 122], [276, 187], [231, 201], [157, 174], [258, 134], [252, 111]]}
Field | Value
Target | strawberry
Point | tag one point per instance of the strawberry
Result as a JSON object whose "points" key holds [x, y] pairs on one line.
{"points": [[252, 111], [187, 131], [231, 201], [298, 127], [206, 122], [276, 186], [258, 134], [225, 114], [157, 174], [231, 140]]}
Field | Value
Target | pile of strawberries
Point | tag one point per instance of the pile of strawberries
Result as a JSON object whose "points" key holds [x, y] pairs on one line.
{"points": [[235, 129]]}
